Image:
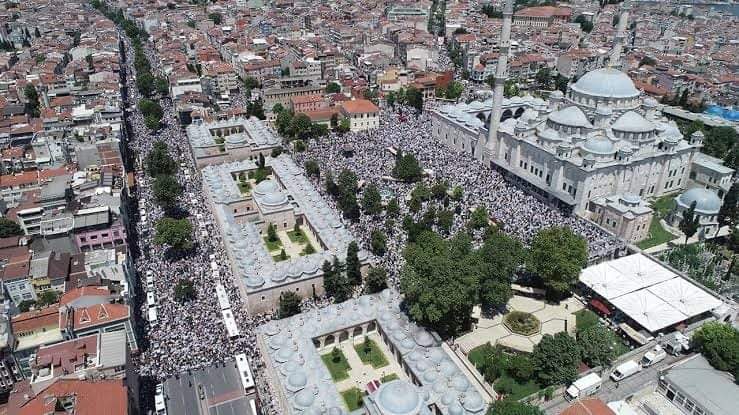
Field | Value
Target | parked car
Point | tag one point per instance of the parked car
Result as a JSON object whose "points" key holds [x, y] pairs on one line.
{"points": [[625, 370]]}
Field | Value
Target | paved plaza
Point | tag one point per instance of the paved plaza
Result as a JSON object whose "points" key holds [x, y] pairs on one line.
{"points": [[553, 317]]}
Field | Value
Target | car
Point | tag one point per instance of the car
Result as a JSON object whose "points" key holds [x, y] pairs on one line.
{"points": [[654, 356], [625, 370]]}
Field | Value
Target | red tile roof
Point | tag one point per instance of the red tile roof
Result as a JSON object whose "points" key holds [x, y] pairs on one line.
{"points": [[107, 397], [359, 106], [36, 319], [591, 406], [76, 293]]}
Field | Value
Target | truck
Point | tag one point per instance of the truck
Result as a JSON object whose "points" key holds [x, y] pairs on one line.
{"points": [[625, 370], [656, 355], [584, 387]]}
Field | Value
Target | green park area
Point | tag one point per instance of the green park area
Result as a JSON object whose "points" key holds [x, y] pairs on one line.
{"points": [[658, 235], [510, 374], [352, 399], [370, 354], [389, 378], [337, 365]]}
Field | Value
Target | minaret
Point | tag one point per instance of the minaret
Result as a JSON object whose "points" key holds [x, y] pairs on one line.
{"points": [[619, 42], [501, 72]]}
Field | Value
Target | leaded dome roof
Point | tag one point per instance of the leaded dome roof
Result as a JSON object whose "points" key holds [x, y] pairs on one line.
{"points": [[606, 82]]}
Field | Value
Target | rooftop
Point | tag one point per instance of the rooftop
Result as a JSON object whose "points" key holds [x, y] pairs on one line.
{"points": [[711, 389]]}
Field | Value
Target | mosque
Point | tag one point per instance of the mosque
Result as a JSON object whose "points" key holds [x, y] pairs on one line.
{"points": [[600, 150]]}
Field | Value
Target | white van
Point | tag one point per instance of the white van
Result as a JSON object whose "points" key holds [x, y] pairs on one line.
{"points": [[656, 355], [150, 300], [152, 315], [625, 370], [585, 386]]}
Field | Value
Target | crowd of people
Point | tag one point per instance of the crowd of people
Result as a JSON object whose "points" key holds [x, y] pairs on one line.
{"points": [[190, 334], [515, 209]]}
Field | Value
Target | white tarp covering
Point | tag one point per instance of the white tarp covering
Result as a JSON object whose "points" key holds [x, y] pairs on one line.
{"points": [[684, 296], [608, 282], [643, 269], [650, 311]]}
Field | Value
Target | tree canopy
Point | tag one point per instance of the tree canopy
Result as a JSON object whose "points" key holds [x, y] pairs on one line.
{"points": [[690, 222], [499, 258], [159, 162], [719, 344], [166, 190], [511, 407], [173, 232], [595, 345], [555, 359], [407, 168], [376, 280], [9, 228], [289, 304], [557, 256]]}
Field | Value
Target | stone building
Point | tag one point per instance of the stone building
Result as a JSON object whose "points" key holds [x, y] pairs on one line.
{"points": [[286, 200], [230, 140], [707, 205]]}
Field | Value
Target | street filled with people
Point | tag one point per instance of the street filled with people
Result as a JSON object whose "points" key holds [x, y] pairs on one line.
{"points": [[186, 335]]}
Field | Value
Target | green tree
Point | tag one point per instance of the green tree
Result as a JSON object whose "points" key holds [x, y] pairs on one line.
{"points": [[390, 99], [185, 291], [371, 200], [331, 187], [216, 18], [334, 281], [414, 98], [719, 344], [557, 255], [439, 189], [585, 25], [392, 210], [690, 222], [353, 266], [479, 218], [729, 212], [457, 193], [595, 343], [272, 233], [32, 100], [176, 233], [9, 228], [438, 282], [499, 258], [277, 108], [376, 280], [159, 162], [252, 83], [511, 407], [284, 121], [344, 126], [152, 122], [47, 297], [407, 168], [161, 86], [378, 242], [555, 359], [300, 127], [149, 107], [25, 305], [289, 304], [454, 90], [333, 88], [445, 220], [312, 169], [335, 355], [166, 190]]}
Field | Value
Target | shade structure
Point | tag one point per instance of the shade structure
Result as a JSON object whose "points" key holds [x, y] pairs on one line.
{"points": [[608, 282], [685, 296], [650, 311], [642, 269]]}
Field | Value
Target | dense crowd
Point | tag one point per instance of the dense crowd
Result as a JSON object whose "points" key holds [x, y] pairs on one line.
{"points": [[188, 334], [518, 212]]}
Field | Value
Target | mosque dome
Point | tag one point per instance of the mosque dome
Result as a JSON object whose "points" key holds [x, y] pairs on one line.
{"points": [[632, 122], [631, 198], [571, 116], [297, 380], [265, 187], [706, 201], [275, 198], [399, 397], [304, 398], [598, 145], [423, 338], [606, 82]]}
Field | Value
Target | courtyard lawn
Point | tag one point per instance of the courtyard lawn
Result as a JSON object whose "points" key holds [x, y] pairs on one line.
{"points": [[278, 258], [389, 378], [340, 369], [372, 355], [244, 188], [584, 319], [663, 205], [272, 246], [657, 235], [297, 237], [478, 355], [352, 398], [515, 390]]}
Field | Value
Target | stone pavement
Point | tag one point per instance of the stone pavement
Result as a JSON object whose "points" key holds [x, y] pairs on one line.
{"points": [[553, 317], [360, 374]]}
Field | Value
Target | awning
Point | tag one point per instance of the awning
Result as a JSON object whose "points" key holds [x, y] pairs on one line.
{"points": [[598, 305], [633, 334]]}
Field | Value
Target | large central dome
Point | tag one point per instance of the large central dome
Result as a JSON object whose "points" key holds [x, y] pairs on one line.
{"points": [[606, 82]]}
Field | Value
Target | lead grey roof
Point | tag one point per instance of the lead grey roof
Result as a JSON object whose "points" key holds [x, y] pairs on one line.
{"points": [[632, 122], [606, 82], [254, 134], [571, 116], [713, 390], [290, 349], [706, 201]]}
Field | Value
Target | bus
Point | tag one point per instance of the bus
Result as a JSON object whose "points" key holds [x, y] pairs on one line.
{"points": [[159, 406], [247, 379]]}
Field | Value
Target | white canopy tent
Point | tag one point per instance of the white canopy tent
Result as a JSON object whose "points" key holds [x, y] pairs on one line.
{"points": [[685, 296], [643, 269], [650, 311], [608, 282]]}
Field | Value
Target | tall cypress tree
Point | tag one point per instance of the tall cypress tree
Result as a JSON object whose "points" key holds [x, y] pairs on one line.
{"points": [[353, 273]]}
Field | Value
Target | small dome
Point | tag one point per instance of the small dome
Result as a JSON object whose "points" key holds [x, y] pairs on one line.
{"points": [[275, 198], [284, 354], [304, 398], [557, 94], [460, 383], [571, 116], [455, 409], [650, 102], [254, 281], [631, 198], [706, 201], [297, 381], [473, 402], [604, 111], [606, 82], [399, 398], [266, 186], [423, 338], [550, 134], [598, 145], [632, 122]]}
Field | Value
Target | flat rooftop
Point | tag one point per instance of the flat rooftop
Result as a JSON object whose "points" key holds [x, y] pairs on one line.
{"points": [[221, 385]]}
